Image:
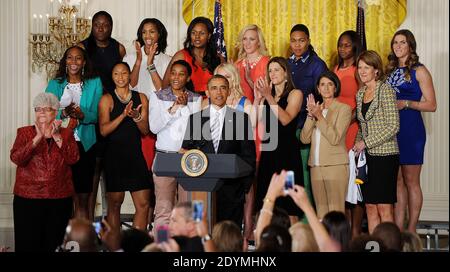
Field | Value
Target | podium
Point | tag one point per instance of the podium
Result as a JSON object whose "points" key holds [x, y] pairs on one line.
{"points": [[220, 168]]}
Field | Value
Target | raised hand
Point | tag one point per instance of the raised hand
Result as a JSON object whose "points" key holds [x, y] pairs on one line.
{"points": [[151, 52], [247, 73], [182, 99], [300, 197], [56, 125], [137, 46], [276, 185], [69, 109], [77, 113], [264, 87], [128, 108], [136, 112]]}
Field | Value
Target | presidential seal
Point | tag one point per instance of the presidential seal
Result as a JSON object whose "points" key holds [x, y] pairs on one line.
{"points": [[194, 163]]}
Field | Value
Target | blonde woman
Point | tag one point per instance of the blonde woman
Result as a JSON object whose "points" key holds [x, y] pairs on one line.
{"points": [[252, 58]]}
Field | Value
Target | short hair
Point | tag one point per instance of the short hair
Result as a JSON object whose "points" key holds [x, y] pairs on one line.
{"points": [[301, 28], [186, 207], [227, 237], [46, 100], [333, 77], [372, 58], [303, 238], [216, 77], [262, 43], [390, 234], [162, 31]]}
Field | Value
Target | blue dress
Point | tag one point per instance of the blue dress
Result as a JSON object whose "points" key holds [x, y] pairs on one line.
{"points": [[411, 137]]}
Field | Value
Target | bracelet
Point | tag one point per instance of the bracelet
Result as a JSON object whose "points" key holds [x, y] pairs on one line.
{"points": [[151, 68], [407, 104], [138, 119], [266, 211]]}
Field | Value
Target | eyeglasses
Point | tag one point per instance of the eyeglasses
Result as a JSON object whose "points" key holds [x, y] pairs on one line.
{"points": [[44, 109]]}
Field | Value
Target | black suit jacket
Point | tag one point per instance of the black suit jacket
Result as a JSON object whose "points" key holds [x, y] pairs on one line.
{"points": [[236, 138]]}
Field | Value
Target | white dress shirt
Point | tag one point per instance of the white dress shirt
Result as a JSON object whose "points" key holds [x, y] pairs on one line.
{"points": [[212, 113], [170, 128], [317, 136]]}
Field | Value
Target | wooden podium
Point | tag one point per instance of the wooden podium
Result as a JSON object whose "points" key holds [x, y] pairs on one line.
{"points": [[220, 168]]}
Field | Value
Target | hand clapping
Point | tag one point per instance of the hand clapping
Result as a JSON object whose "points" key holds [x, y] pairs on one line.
{"points": [[132, 112], [263, 87], [314, 108]]}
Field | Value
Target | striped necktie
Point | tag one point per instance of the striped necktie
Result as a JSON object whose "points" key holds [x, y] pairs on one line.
{"points": [[215, 131]]}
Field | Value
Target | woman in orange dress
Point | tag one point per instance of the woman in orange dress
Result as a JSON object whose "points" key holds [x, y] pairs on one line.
{"points": [[349, 48]]}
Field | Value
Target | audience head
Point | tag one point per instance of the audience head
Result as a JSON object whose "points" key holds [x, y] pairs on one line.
{"points": [[229, 71], [349, 47], [390, 234], [300, 42], [180, 76], [227, 237], [370, 67], [303, 238], [181, 221], [275, 238], [82, 232], [134, 240], [218, 90], [251, 40], [75, 63], [200, 35], [151, 31], [366, 243], [46, 106], [338, 228], [411, 242]]}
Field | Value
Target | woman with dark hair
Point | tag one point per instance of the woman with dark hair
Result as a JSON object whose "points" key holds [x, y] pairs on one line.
{"points": [[170, 109], [349, 48], [123, 119], [200, 52], [306, 67], [281, 104], [151, 43], [415, 94], [379, 122], [79, 91], [338, 228], [325, 128], [104, 52]]}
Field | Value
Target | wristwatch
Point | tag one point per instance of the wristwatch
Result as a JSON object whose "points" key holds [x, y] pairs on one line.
{"points": [[206, 238]]}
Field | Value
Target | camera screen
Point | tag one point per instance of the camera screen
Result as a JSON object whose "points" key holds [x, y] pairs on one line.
{"points": [[197, 210], [289, 181]]}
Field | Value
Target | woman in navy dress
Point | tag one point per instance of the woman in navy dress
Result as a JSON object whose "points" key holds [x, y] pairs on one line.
{"points": [[415, 94]]}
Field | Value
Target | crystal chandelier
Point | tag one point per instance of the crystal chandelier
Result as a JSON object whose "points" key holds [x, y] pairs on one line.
{"points": [[53, 33]]}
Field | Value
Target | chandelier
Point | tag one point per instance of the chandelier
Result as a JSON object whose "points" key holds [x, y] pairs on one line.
{"points": [[63, 26]]}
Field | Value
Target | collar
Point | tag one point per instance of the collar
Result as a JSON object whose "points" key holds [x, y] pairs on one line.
{"points": [[303, 58], [213, 110]]}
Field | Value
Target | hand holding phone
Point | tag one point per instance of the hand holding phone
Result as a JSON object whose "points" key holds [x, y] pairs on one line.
{"points": [[162, 234], [289, 181], [197, 210]]}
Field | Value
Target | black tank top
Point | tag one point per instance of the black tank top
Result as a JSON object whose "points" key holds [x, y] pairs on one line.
{"points": [[103, 59], [127, 132]]}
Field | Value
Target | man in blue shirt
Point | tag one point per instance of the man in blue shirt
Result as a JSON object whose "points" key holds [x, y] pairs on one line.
{"points": [[306, 67]]}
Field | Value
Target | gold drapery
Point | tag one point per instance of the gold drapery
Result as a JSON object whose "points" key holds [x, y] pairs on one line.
{"points": [[326, 20]]}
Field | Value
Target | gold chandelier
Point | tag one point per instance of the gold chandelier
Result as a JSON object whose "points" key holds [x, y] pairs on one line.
{"points": [[53, 33]]}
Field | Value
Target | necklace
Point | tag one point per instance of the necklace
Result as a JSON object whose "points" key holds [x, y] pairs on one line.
{"points": [[124, 101], [252, 64]]}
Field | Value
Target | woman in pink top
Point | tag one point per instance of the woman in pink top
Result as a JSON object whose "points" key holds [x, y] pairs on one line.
{"points": [[349, 48], [252, 58]]}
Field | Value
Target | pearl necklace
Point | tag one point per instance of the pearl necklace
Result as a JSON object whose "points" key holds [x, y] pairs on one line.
{"points": [[252, 64], [124, 101]]}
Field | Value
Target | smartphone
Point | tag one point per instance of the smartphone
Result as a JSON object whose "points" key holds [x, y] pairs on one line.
{"points": [[289, 181], [97, 226], [197, 210], [162, 234]]}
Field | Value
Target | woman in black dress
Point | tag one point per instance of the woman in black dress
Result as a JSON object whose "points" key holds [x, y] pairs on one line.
{"points": [[123, 119], [281, 105]]}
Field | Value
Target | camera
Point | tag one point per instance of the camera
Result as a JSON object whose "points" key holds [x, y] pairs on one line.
{"points": [[97, 226], [289, 181], [197, 210], [162, 234]]}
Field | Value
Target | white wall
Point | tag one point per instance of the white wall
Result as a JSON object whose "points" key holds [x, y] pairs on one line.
{"points": [[429, 22], [427, 19]]}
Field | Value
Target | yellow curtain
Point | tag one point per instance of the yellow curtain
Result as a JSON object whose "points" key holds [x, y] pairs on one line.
{"points": [[326, 20]]}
